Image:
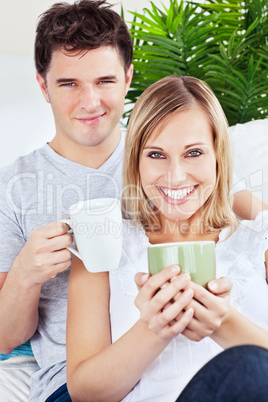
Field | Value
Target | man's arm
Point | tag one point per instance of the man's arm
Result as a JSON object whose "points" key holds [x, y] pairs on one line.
{"points": [[41, 259], [247, 206]]}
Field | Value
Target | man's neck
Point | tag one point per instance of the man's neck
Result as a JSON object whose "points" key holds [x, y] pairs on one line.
{"points": [[90, 156]]}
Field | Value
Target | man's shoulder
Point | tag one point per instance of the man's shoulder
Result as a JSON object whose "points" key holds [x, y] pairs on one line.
{"points": [[23, 163]]}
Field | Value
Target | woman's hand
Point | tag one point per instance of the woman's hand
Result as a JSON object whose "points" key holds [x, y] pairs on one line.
{"points": [[210, 308], [163, 301]]}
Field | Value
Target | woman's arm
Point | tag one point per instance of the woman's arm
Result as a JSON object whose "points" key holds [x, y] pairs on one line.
{"points": [[224, 325], [99, 370], [247, 206], [236, 330]]}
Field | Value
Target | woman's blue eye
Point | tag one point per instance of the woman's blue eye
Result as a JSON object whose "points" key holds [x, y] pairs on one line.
{"points": [[195, 153], [156, 155]]}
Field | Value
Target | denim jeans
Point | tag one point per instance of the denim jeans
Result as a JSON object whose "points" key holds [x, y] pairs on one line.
{"points": [[239, 374], [61, 395]]}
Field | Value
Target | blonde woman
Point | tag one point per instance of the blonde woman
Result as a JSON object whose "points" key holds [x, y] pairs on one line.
{"points": [[125, 340]]}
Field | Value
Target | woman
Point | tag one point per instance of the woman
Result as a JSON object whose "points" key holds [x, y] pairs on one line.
{"points": [[125, 343]]}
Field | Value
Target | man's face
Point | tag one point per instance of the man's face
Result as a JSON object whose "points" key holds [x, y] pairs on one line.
{"points": [[86, 92]]}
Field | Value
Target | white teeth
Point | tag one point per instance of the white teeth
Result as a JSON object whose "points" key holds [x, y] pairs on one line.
{"points": [[178, 194]]}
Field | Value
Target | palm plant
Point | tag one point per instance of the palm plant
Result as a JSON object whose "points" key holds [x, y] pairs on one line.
{"points": [[223, 43]]}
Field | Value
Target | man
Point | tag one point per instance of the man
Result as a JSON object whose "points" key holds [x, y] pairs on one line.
{"points": [[83, 55]]}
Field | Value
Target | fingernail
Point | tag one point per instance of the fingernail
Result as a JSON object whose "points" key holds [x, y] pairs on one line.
{"points": [[164, 286], [213, 285], [188, 293], [175, 269], [144, 278], [189, 312], [184, 278]]}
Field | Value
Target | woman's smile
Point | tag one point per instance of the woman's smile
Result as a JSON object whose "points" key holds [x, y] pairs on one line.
{"points": [[176, 196]]}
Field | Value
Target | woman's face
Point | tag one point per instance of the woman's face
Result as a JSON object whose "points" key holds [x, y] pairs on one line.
{"points": [[178, 167]]}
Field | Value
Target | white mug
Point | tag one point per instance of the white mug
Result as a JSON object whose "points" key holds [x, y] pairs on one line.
{"points": [[97, 229]]}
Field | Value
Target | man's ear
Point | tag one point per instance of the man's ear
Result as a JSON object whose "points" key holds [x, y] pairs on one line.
{"points": [[129, 78], [43, 86]]}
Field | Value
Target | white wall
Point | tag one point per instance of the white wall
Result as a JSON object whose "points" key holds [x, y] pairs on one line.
{"points": [[19, 18]]}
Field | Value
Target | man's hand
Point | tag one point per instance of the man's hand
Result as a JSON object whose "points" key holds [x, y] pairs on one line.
{"points": [[45, 254]]}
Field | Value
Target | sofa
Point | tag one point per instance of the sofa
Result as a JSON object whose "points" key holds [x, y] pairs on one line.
{"points": [[27, 123]]}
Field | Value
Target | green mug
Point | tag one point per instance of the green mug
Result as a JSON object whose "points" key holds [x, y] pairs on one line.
{"points": [[196, 258]]}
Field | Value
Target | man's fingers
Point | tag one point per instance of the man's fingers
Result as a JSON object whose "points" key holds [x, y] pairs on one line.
{"points": [[52, 230]]}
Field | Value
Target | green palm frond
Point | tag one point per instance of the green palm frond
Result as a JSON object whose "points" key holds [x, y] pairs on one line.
{"points": [[243, 96], [223, 43]]}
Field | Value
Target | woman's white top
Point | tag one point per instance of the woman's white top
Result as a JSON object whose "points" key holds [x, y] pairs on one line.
{"points": [[239, 257]]}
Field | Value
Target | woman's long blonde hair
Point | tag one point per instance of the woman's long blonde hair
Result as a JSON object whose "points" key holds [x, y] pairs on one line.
{"points": [[157, 103]]}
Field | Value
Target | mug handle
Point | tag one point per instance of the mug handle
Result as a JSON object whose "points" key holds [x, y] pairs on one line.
{"points": [[73, 250]]}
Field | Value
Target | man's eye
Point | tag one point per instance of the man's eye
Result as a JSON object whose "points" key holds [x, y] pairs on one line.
{"points": [[106, 82], [156, 155], [68, 84], [194, 153]]}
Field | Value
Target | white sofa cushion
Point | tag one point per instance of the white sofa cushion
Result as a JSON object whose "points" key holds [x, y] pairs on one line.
{"points": [[250, 151]]}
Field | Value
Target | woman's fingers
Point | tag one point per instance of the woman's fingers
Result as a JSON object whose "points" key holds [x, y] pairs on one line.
{"points": [[178, 326], [209, 309], [150, 287], [161, 296], [140, 279], [221, 286], [173, 320], [163, 301]]}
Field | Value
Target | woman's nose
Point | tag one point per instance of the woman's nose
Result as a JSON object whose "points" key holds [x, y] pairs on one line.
{"points": [[176, 174]]}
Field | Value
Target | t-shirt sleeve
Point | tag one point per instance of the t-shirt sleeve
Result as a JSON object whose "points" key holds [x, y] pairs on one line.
{"points": [[11, 236]]}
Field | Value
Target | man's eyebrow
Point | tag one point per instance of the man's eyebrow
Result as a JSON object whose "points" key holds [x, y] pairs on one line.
{"points": [[65, 80], [107, 77], [104, 78]]}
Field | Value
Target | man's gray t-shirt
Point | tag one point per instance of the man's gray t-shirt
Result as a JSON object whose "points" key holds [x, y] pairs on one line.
{"points": [[35, 190]]}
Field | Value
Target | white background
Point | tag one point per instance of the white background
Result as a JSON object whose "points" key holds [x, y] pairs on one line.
{"points": [[19, 18]]}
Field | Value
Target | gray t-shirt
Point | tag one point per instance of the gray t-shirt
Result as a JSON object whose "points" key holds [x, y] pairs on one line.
{"points": [[35, 190]]}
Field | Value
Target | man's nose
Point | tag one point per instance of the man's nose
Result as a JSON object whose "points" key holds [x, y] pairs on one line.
{"points": [[89, 98]]}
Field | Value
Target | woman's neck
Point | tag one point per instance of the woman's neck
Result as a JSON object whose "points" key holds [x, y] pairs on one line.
{"points": [[191, 229]]}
